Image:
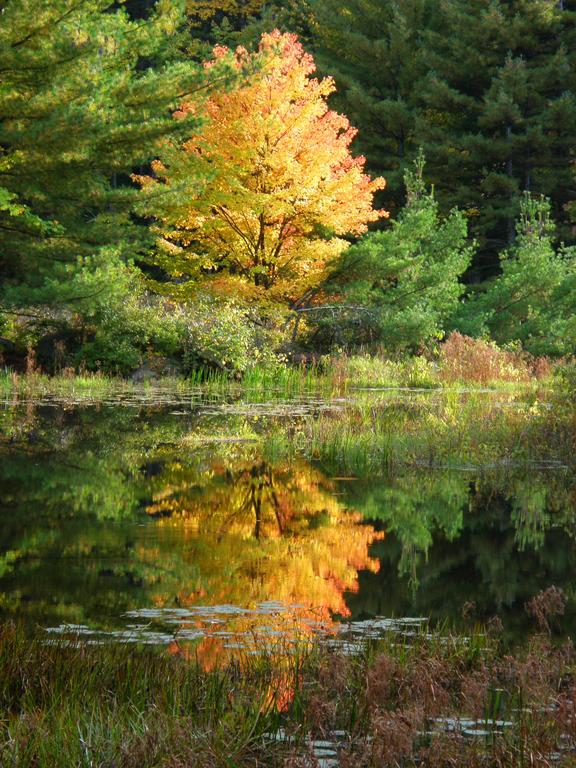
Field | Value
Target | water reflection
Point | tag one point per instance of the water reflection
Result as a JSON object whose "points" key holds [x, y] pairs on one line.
{"points": [[250, 533], [117, 519], [491, 540]]}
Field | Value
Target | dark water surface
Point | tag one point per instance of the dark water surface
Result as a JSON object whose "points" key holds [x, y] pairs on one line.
{"points": [[169, 518]]}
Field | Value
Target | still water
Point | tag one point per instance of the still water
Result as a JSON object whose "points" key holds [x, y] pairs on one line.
{"points": [[162, 519]]}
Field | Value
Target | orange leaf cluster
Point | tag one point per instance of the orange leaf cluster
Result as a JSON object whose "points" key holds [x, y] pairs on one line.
{"points": [[282, 185]]}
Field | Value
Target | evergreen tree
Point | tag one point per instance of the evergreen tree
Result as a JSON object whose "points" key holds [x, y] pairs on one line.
{"points": [[243, 22], [533, 300], [293, 16], [80, 107], [497, 109], [486, 87], [374, 50], [399, 287], [219, 21]]}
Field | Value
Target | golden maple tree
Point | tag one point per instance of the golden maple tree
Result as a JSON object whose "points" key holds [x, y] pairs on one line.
{"points": [[264, 194]]}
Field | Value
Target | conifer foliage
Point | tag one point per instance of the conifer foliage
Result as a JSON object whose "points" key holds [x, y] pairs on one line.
{"points": [[533, 300], [79, 109], [486, 87], [400, 286]]}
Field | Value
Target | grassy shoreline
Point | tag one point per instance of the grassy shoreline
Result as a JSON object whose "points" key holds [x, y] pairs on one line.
{"points": [[454, 424], [331, 378], [434, 699]]}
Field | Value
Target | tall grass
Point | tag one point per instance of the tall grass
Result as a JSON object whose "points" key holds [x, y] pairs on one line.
{"points": [[38, 385], [72, 704], [86, 386], [461, 362], [449, 428], [463, 359], [407, 699]]}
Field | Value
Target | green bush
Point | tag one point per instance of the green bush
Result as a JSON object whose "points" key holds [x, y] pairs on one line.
{"points": [[202, 333], [124, 333], [566, 377], [532, 302], [224, 335], [400, 287]]}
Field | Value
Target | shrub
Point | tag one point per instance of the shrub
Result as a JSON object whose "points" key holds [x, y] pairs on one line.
{"points": [[122, 334], [475, 360], [201, 333], [532, 300], [566, 376], [224, 335]]}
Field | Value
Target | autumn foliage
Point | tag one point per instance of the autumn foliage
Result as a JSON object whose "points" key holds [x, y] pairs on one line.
{"points": [[281, 186]]}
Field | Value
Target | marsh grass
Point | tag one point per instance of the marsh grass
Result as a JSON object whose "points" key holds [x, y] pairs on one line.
{"points": [[461, 363], [448, 429], [463, 359], [38, 385], [86, 387], [530, 424], [73, 704], [283, 382], [449, 701], [419, 698]]}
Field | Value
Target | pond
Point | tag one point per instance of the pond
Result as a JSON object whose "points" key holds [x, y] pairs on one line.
{"points": [[170, 518]]}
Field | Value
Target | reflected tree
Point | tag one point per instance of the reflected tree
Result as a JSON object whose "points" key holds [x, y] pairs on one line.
{"points": [[274, 532], [105, 510]]}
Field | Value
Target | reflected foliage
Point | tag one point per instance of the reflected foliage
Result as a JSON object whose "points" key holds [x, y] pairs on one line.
{"points": [[112, 509], [253, 533], [457, 538]]}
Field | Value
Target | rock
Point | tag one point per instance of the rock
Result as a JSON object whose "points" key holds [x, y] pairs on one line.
{"points": [[144, 374], [155, 367]]}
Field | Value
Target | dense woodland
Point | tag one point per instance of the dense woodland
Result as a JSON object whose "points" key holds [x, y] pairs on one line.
{"points": [[287, 383], [225, 183]]}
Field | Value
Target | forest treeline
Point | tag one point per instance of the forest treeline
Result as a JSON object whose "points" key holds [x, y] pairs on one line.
{"points": [[235, 182]]}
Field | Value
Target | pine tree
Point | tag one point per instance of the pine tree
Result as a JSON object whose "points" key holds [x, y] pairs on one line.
{"points": [[293, 16], [80, 107], [486, 87], [373, 48], [533, 300], [400, 286], [497, 109], [220, 21], [243, 22]]}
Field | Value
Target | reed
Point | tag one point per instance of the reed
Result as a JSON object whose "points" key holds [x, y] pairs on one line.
{"points": [[413, 697], [452, 428], [73, 704], [459, 365]]}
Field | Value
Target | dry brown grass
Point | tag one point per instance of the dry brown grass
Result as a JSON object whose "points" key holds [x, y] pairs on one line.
{"points": [[418, 703], [431, 699], [463, 359]]}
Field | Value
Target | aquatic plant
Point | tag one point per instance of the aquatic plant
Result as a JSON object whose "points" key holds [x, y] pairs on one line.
{"points": [[409, 698]]}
